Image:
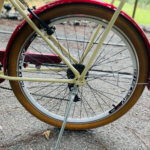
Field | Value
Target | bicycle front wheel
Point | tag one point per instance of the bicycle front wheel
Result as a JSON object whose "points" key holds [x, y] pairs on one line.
{"points": [[112, 81]]}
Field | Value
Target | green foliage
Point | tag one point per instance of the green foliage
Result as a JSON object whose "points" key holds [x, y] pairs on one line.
{"points": [[145, 4], [142, 16]]}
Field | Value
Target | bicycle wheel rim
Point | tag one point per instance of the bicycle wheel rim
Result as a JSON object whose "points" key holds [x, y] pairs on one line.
{"points": [[99, 117]]}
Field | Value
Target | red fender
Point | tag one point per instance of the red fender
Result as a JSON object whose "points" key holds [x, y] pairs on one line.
{"points": [[61, 2]]}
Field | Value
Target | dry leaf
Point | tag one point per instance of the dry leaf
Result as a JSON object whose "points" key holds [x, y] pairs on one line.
{"points": [[47, 134]]}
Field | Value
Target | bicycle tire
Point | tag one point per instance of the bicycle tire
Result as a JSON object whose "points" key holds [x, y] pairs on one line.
{"points": [[62, 17]]}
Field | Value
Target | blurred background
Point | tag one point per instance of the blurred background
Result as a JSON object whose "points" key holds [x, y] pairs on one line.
{"points": [[142, 15]]}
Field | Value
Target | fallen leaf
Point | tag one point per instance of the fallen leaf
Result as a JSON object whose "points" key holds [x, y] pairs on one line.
{"points": [[47, 134]]}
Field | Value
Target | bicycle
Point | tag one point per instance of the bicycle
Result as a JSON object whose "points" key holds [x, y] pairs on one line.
{"points": [[69, 44]]}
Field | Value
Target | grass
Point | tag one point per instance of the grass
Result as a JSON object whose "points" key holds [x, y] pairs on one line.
{"points": [[142, 16]]}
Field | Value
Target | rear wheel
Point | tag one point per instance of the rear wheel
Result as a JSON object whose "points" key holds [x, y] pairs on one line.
{"points": [[111, 88]]}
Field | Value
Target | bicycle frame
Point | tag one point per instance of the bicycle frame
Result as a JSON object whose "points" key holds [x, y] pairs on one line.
{"points": [[79, 79]]}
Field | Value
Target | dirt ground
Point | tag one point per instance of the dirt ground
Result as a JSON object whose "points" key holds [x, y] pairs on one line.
{"points": [[21, 131]]}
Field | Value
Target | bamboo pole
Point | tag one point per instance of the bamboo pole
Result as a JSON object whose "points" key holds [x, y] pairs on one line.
{"points": [[135, 6], [1, 5], [112, 2]]}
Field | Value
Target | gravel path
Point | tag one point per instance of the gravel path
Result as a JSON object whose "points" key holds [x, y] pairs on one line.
{"points": [[21, 131]]}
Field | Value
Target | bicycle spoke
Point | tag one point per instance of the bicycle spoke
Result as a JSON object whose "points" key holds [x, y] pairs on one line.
{"points": [[103, 95], [88, 104], [50, 92], [74, 110], [54, 97], [103, 49], [103, 91], [83, 104], [96, 98], [95, 42], [115, 60]]}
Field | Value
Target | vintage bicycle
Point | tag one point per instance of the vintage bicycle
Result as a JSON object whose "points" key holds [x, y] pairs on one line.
{"points": [[85, 54]]}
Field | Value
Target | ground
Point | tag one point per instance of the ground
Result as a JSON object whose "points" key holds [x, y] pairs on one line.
{"points": [[21, 131]]}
